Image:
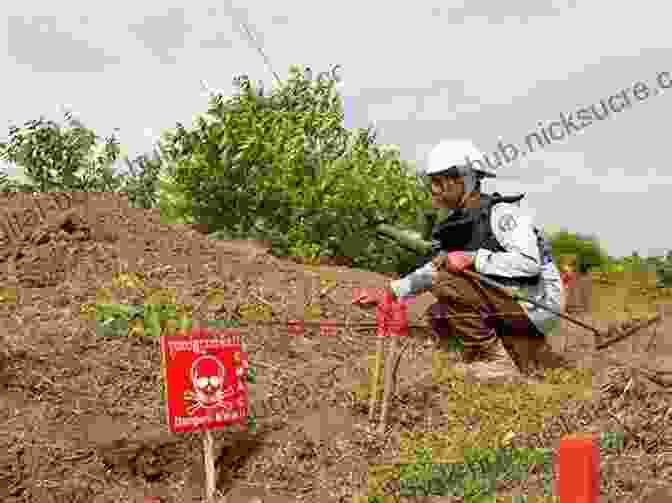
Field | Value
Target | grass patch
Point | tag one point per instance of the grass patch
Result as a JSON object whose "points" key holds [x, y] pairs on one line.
{"points": [[475, 477], [482, 419], [483, 415]]}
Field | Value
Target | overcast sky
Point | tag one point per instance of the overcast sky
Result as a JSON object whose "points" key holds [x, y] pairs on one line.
{"points": [[421, 70]]}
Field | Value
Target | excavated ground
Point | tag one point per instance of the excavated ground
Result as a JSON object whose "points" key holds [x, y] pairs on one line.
{"points": [[81, 415]]}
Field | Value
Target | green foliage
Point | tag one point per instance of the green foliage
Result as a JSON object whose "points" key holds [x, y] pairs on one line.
{"points": [[252, 423], [62, 157], [222, 324], [251, 375], [283, 168], [661, 265], [475, 478], [664, 272], [71, 157], [612, 441], [586, 248], [114, 319], [142, 181], [9, 185], [172, 201]]}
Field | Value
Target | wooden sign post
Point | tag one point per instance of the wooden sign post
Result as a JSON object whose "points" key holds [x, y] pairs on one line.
{"points": [[205, 379], [209, 460]]}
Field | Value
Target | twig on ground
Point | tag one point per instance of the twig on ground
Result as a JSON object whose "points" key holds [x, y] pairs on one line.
{"points": [[327, 290], [260, 298], [397, 361], [649, 345], [627, 334]]}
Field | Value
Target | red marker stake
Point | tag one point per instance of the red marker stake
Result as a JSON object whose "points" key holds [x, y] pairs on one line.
{"points": [[579, 474], [394, 322]]}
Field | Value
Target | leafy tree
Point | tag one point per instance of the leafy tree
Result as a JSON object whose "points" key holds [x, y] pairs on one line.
{"points": [[61, 157], [664, 273], [8, 184], [142, 184], [587, 249], [71, 157], [283, 167]]}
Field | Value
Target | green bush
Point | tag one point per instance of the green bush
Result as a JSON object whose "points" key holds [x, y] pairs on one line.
{"points": [[587, 249], [71, 157], [283, 168], [61, 157]]}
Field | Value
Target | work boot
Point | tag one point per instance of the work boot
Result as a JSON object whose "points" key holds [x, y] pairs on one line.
{"points": [[492, 364]]}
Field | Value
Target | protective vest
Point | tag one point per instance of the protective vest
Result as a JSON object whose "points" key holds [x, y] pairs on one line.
{"points": [[469, 229]]}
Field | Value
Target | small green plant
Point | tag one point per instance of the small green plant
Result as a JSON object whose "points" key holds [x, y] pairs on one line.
{"points": [[475, 478], [117, 319], [252, 423], [417, 478], [251, 375], [114, 319], [612, 441]]}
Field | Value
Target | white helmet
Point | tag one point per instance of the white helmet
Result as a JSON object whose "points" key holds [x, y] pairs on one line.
{"points": [[459, 156]]}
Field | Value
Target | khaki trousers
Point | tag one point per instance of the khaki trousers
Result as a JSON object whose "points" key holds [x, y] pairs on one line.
{"points": [[479, 315]]}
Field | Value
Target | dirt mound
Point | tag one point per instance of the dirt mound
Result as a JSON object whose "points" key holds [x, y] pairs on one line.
{"points": [[61, 380], [81, 413]]}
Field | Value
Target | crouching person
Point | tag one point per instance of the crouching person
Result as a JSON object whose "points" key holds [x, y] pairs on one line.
{"points": [[491, 235]]}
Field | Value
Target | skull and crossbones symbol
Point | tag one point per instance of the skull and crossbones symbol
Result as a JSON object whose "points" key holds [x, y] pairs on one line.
{"points": [[209, 379]]}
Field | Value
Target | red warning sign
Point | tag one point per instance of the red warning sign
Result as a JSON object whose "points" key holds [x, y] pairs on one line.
{"points": [[204, 374]]}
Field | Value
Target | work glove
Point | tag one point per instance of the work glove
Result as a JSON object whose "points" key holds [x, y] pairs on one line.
{"points": [[454, 262], [368, 298], [390, 312]]}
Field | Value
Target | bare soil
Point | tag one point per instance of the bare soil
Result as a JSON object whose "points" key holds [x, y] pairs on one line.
{"points": [[81, 415]]}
